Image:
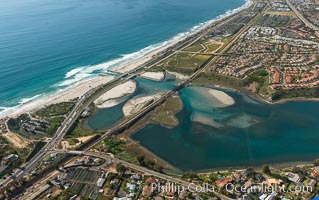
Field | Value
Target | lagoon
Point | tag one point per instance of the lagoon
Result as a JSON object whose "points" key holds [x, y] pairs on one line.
{"points": [[248, 133]]}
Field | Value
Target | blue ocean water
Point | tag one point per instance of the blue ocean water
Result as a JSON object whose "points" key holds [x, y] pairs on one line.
{"points": [[48, 45]]}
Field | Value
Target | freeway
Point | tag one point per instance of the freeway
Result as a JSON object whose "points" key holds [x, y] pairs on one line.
{"points": [[82, 103], [302, 18], [141, 169], [92, 94]]}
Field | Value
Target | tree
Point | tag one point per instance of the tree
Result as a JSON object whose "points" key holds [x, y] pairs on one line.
{"points": [[316, 162], [266, 169], [190, 175], [141, 160], [120, 168]]}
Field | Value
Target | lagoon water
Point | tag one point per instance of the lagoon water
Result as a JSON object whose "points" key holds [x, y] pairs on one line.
{"points": [[248, 133], [49, 45], [245, 134]]}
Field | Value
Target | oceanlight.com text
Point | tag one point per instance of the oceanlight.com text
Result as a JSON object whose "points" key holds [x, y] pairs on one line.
{"points": [[232, 188]]}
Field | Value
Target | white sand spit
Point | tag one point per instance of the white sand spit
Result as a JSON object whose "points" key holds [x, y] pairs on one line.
{"points": [[178, 75], [135, 105], [222, 97], [156, 76], [111, 97]]}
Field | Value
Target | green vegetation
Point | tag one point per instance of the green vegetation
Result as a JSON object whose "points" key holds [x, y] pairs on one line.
{"points": [[295, 92], [195, 47], [77, 131], [55, 109], [316, 162], [212, 47], [14, 124], [189, 175], [120, 168], [6, 149], [54, 114], [65, 194], [47, 158], [210, 78], [259, 76], [54, 125], [36, 149], [184, 63], [203, 45], [165, 118], [165, 114], [266, 169], [114, 145]]}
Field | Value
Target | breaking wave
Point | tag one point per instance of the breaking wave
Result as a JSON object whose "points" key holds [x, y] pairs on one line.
{"points": [[76, 75]]}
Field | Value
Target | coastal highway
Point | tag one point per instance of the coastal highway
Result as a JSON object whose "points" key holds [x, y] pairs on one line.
{"points": [[82, 103], [92, 94], [302, 18]]}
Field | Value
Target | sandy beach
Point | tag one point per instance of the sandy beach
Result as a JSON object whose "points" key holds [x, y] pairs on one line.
{"points": [[79, 89], [111, 97], [62, 96], [156, 76], [136, 104], [178, 75], [222, 97]]}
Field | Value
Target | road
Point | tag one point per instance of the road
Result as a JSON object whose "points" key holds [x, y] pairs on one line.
{"points": [[302, 18], [82, 103], [90, 96], [141, 169]]}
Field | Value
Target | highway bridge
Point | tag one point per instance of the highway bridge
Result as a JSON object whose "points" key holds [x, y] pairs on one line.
{"points": [[94, 93], [82, 104]]}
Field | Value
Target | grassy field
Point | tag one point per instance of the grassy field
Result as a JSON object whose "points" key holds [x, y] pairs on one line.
{"points": [[116, 146], [55, 110], [195, 47], [165, 114], [184, 63], [211, 78], [212, 47]]}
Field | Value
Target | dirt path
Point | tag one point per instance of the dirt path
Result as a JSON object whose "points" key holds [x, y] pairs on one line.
{"points": [[16, 140]]}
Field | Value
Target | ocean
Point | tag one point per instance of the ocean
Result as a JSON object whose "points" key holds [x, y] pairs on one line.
{"points": [[47, 46]]}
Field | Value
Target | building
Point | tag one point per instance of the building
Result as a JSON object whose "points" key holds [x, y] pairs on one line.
{"points": [[293, 177], [9, 159], [100, 182]]}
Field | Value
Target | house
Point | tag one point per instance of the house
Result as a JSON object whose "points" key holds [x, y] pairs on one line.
{"points": [[100, 182], [10, 158], [312, 183], [293, 177], [315, 172], [135, 177], [131, 187], [123, 198], [223, 182], [272, 181], [147, 191], [271, 196]]}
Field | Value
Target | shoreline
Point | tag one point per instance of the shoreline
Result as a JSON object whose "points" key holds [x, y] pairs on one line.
{"points": [[278, 165], [41, 100], [257, 97]]}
